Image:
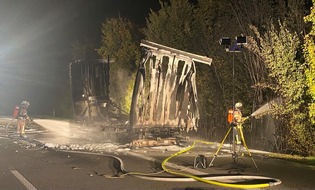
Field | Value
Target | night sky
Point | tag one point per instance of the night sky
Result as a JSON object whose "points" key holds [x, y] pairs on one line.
{"points": [[35, 39]]}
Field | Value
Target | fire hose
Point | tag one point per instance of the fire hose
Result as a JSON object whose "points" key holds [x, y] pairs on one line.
{"points": [[214, 180], [184, 177]]}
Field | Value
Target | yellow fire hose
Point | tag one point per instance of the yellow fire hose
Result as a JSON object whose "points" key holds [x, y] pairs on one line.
{"points": [[212, 182]]}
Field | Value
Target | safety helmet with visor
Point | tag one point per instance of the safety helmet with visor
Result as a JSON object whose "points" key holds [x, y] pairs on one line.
{"points": [[238, 105], [25, 103]]}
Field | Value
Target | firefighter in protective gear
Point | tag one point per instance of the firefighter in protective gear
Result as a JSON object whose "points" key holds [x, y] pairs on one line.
{"points": [[22, 117], [237, 122]]}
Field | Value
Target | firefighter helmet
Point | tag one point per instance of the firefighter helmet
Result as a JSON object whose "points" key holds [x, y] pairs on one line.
{"points": [[238, 105], [25, 103]]}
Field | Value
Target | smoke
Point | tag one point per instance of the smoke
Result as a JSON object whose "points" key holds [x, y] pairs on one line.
{"points": [[266, 108], [119, 88]]}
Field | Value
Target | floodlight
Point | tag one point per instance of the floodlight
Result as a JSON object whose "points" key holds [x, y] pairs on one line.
{"points": [[225, 41], [241, 40]]}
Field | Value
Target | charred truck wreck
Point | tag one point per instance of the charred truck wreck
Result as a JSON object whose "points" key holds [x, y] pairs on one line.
{"points": [[164, 101]]}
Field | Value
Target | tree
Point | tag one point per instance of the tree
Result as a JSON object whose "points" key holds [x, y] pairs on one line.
{"points": [[83, 50], [171, 25], [279, 49], [252, 16], [120, 41], [309, 54], [270, 80], [210, 23]]}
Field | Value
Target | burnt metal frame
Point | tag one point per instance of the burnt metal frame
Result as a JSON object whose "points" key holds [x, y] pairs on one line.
{"points": [[153, 54]]}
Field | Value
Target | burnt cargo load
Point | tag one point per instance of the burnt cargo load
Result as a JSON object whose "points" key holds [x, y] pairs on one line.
{"points": [[164, 100], [90, 89]]}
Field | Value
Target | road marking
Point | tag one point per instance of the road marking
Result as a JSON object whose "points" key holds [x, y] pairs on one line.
{"points": [[22, 179]]}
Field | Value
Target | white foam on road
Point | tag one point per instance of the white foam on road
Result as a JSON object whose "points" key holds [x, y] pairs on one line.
{"points": [[65, 135]]}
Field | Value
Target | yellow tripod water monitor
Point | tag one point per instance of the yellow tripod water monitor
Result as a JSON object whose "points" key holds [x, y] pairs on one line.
{"points": [[238, 139]]}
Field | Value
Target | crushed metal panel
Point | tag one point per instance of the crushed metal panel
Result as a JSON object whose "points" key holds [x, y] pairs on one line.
{"points": [[165, 93]]}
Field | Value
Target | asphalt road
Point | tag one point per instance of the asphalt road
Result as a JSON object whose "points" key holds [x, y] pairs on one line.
{"points": [[27, 164], [40, 168]]}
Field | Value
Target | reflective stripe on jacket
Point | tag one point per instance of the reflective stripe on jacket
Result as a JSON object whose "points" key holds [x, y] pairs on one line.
{"points": [[237, 114]]}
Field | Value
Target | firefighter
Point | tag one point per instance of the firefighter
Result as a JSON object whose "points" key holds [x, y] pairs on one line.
{"points": [[237, 122], [22, 117]]}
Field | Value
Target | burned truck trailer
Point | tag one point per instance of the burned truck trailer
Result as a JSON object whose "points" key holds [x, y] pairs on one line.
{"points": [[89, 80], [164, 100]]}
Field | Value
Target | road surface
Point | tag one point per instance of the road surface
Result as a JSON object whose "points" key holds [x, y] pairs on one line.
{"points": [[49, 159]]}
